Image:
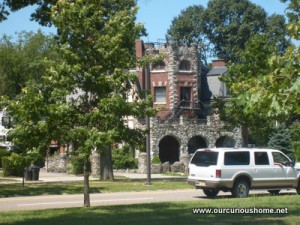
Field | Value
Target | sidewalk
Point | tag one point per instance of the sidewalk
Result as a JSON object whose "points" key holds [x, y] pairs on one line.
{"points": [[45, 176]]}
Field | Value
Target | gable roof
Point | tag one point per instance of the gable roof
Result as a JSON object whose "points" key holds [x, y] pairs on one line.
{"points": [[217, 71]]}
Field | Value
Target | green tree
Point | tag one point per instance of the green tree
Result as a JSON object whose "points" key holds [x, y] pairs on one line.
{"points": [[23, 59], [281, 139], [253, 64], [276, 94], [228, 25], [295, 138], [41, 14], [186, 29], [96, 39]]}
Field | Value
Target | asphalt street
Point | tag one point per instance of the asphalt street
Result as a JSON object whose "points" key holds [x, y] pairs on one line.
{"points": [[119, 198], [101, 199]]}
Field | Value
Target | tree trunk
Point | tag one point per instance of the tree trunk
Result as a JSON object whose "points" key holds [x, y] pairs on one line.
{"points": [[106, 170], [245, 135], [86, 174]]}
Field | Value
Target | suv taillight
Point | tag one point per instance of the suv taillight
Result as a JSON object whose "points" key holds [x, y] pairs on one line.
{"points": [[218, 173]]}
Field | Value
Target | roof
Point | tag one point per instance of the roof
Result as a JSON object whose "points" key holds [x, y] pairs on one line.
{"points": [[242, 149], [217, 71]]}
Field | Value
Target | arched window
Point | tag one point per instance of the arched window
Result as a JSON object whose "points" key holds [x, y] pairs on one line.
{"points": [[159, 65], [185, 65]]}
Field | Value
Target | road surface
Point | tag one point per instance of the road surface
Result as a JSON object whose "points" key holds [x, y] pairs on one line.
{"points": [[101, 199]]}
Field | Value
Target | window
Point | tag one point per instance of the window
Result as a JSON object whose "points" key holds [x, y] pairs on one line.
{"points": [[160, 65], [205, 158], [160, 94], [279, 158], [185, 65], [261, 158], [237, 158]]}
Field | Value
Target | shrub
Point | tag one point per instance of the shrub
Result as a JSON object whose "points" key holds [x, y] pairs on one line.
{"points": [[3, 152], [295, 138], [77, 164], [281, 139], [123, 158], [14, 165], [155, 160]]}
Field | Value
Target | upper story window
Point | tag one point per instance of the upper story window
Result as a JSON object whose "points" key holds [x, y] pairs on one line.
{"points": [[185, 65], [159, 65], [160, 94]]}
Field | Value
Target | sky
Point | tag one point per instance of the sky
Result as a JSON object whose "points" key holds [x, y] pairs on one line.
{"points": [[156, 15]]}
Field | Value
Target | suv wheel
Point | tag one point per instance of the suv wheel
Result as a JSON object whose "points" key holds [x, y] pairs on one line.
{"points": [[211, 193], [274, 192], [240, 189], [298, 188]]}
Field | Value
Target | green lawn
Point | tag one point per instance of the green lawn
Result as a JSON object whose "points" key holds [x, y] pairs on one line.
{"points": [[76, 187], [164, 213]]}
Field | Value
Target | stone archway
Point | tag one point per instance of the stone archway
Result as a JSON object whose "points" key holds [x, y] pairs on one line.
{"points": [[169, 149], [195, 143], [225, 141]]}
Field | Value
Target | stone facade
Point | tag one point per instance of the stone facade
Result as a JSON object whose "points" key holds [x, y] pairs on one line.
{"points": [[183, 123], [185, 129], [57, 163]]}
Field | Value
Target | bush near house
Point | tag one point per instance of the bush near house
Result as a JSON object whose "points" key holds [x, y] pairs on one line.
{"points": [[281, 139], [295, 139], [155, 160], [14, 165], [77, 164], [3, 152], [123, 158]]}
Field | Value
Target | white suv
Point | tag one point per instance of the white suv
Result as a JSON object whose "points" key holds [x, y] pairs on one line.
{"points": [[240, 169]]}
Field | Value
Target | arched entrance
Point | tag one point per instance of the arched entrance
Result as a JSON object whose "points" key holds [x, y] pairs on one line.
{"points": [[195, 143], [169, 149], [225, 141]]}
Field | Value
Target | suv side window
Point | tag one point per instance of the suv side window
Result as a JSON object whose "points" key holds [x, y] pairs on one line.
{"points": [[205, 159], [236, 158], [279, 158], [261, 158]]}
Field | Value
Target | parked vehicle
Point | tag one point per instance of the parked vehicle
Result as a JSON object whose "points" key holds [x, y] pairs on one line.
{"points": [[240, 169]]}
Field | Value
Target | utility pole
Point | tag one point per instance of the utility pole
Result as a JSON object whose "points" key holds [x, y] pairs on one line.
{"points": [[147, 87]]}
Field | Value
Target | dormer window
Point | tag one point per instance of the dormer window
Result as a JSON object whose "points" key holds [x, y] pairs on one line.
{"points": [[159, 65], [185, 65]]}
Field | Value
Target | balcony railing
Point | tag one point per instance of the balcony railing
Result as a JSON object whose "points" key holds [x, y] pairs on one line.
{"points": [[197, 110]]}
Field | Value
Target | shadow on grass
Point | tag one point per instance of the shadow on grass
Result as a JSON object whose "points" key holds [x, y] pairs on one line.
{"points": [[157, 213], [32, 189], [76, 187]]}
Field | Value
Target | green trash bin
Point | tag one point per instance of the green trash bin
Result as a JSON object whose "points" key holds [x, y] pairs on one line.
{"points": [[35, 172], [27, 174]]}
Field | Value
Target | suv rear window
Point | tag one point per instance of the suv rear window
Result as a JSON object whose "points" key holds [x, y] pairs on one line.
{"points": [[236, 158], [205, 158]]}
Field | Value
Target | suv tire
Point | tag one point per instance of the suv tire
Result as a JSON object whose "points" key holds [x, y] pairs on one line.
{"points": [[298, 188], [210, 193], [240, 189]]}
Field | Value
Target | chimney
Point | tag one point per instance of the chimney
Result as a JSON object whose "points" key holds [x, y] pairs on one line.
{"points": [[139, 48], [218, 63], [140, 52]]}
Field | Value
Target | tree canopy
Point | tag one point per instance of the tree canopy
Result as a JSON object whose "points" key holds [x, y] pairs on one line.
{"points": [[41, 14], [225, 26], [276, 93], [23, 59], [264, 84]]}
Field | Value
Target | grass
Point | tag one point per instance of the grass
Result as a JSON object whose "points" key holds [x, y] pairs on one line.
{"points": [[76, 187], [164, 213]]}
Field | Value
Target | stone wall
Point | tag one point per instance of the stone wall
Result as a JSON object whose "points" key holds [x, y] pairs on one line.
{"points": [[185, 128], [57, 163], [95, 163]]}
